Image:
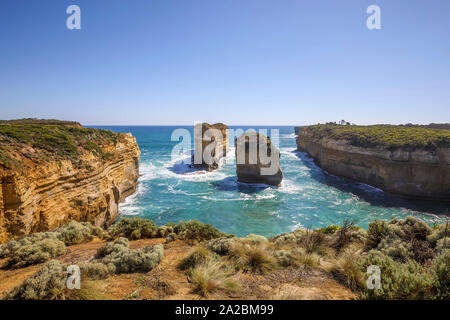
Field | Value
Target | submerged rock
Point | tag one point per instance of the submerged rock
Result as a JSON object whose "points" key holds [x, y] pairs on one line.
{"points": [[257, 160], [212, 138]]}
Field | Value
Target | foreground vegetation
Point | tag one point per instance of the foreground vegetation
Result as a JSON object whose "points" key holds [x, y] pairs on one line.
{"points": [[388, 136], [414, 258], [49, 139]]}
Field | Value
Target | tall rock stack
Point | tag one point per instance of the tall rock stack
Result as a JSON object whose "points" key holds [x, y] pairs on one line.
{"points": [[209, 142], [251, 167]]}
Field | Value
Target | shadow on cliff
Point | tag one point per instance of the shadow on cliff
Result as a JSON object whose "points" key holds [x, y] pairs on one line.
{"points": [[372, 195]]}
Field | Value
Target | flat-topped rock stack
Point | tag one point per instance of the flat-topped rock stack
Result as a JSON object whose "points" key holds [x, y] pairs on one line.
{"points": [[205, 138], [261, 166]]}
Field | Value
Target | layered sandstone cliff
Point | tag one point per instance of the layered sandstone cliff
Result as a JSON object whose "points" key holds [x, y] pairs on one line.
{"points": [[51, 174], [259, 163], [414, 171], [212, 140]]}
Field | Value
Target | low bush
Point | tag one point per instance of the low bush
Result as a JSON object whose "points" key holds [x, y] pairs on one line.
{"points": [[222, 246], [134, 228], [329, 229], [77, 232], [119, 258], [408, 280], [402, 239], [96, 270], [37, 248], [46, 284], [196, 230], [440, 271]]}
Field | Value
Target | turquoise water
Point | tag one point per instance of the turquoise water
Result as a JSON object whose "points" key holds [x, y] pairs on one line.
{"points": [[308, 197]]}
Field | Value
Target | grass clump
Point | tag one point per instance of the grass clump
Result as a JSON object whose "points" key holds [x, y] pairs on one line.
{"points": [[296, 257], [119, 258], [211, 276], [346, 269], [46, 284], [199, 255]]}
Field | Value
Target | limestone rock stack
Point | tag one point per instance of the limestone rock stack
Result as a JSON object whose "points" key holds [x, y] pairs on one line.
{"points": [[205, 139], [262, 165]]}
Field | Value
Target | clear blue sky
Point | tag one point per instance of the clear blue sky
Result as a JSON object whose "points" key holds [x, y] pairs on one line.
{"points": [[279, 62]]}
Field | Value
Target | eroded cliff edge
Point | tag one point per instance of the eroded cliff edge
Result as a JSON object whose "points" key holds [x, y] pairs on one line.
{"points": [[53, 173], [410, 162]]}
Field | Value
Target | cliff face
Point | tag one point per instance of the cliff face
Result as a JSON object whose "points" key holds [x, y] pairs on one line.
{"points": [[409, 172], [251, 168], [45, 191]]}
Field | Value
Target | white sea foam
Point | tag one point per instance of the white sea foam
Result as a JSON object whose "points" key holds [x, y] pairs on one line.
{"points": [[290, 187]]}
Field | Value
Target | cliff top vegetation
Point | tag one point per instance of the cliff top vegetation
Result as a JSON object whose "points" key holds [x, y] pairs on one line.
{"points": [[43, 139], [388, 136], [413, 258]]}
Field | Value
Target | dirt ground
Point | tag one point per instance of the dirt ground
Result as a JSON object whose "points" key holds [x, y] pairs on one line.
{"points": [[168, 282]]}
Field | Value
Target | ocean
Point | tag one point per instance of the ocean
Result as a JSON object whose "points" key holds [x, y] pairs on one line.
{"points": [[309, 197]]}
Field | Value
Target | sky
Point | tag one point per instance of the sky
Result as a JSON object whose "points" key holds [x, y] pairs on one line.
{"points": [[240, 62]]}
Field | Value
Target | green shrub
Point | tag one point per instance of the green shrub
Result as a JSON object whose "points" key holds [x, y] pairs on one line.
{"points": [[134, 228], [96, 270], [76, 232], [46, 284], [119, 258], [222, 246], [402, 239], [330, 229], [188, 230], [440, 271], [171, 237], [376, 232], [408, 280], [440, 237], [37, 248]]}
